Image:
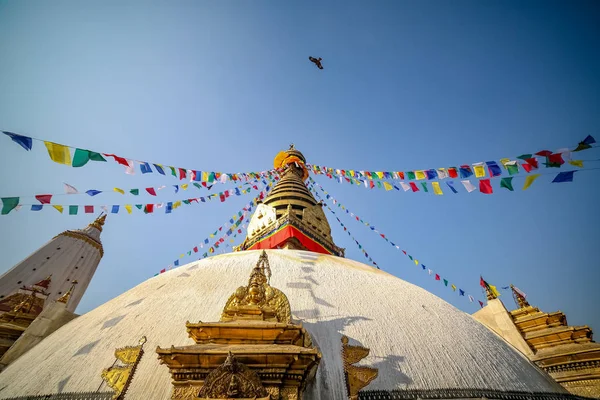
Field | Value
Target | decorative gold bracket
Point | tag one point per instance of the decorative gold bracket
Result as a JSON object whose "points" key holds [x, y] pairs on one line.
{"points": [[118, 377]]}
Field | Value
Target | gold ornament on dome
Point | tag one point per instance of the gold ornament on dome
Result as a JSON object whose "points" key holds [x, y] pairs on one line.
{"points": [[357, 377], [233, 380], [258, 300], [118, 377]]}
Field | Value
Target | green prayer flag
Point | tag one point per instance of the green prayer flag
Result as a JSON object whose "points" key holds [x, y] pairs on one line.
{"points": [[173, 172], [379, 184], [410, 175], [8, 203], [96, 156], [507, 183], [512, 169], [424, 184], [197, 185], [525, 156], [135, 192], [139, 206], [186, 201], [73, 210], [409, 256], [445, 282], [82, 156]]}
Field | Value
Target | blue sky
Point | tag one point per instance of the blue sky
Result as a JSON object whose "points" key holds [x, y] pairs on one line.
{"points": [[225, 85]]}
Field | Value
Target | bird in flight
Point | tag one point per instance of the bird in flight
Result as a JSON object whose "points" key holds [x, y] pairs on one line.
{"points": [[316, 61]]}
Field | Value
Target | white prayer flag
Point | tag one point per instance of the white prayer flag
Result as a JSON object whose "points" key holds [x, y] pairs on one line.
{"points": [[405, 186], [70, 189], [442, 173], [471, 298], [130, 169], [468, 185], [429, 271]]}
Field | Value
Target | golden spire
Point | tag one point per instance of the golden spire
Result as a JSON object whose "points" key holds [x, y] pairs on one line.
{"points": [[99, 222], [519, 297], [65, 297]]}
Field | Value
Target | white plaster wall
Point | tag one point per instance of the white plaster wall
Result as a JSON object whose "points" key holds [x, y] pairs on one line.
{"points": [[417, 340], [62, 257]]}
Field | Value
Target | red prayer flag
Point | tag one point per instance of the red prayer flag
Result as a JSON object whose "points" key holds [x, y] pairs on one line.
{"points": [[543, 153], [149, 208], [485, 186], [372, 184], [118, 159], [414, 187], [222, 197], [401, 175], [44, 198], [89, 209], [151, 191], [437, 277], [481, 282], [404, 252], [163, 270], [527, 167], [532, 161], [556, 159], [452, 173], [182, 173], [195, 249], [480, 303]]}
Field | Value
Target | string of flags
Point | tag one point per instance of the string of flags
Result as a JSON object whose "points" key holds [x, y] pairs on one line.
{"points": [[12, 203], [232, 226], [527, 162], [61, 154], [432, 273], [360, 247]]}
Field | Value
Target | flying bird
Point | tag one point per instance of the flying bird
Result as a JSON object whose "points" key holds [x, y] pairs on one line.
{"points": [[316, 61]]}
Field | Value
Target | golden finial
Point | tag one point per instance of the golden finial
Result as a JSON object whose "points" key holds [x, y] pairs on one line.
{"points": [[99, 222], [65, 297], [519, 297]]}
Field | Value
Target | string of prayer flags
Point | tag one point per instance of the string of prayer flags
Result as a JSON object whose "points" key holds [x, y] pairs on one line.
{"points": [[311, 185]]}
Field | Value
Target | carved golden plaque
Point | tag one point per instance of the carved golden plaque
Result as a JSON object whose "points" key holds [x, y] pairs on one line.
{"points": [[119, 376]]}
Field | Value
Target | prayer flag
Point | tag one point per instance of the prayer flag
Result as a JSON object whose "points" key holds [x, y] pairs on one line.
{"points": [[128, 208], [44, 198], [480, 303], [420, 175], [410, 175], [525, 156], [119, 190], [453, 288], [436, 188], [543, 153], [93, 192], [159, 169], [82, 156], [468, 185], [182, 173], [554, 159], [452, 172], [566, 176], [119, 160], [405, 187], [424, 184], [184, 186], [493, 168], [431, 174], [135, 192], [58, 153], [36, 207], [529, 180], [445, 282], [23, 141], [507, 183], [130, 169], [512, 167], [115, 209], [149, 208], [176, 188], [8, 204], [58, 208], [465, 171], [533, 162], [151, 191], [479, 170], [169, 208], [437, 277], [88, 209], [504, 161], [485, 186], [73, 210], [416, 261], [585, 144], [461, 292], [577, 163], [145, 168], [414, 187], [139, 206], [471, 298], [387, 186], [451, 186], [442, 173], [70, 189], [527, 167]]}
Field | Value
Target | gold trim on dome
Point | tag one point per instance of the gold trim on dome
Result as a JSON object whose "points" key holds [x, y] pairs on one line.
{"points": [[118, 377], [85, 238], [356, 377]]}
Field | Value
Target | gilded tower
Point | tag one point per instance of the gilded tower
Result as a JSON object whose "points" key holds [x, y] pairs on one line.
{"points": [[290, 217]]}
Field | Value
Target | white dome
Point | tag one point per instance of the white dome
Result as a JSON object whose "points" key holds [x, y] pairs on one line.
{"points": [[417, 340]]}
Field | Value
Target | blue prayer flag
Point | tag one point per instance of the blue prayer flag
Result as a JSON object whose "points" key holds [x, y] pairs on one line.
{"points": [[115, 209], [205, 241], [176, 262], [23, 141], [159, 169], [431, 174], [36, 207], [461, 292], [588, 140], [145, 167], [93, 192], [465, 171], [451, 186], [493, 168], [176, 188], [169, 208], [566, 176]]}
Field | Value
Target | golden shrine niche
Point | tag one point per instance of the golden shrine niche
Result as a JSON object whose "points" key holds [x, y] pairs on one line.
{"points": [[119, 376], [255, 351]]}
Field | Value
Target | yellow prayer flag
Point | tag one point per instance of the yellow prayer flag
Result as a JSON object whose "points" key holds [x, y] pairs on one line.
{"points": [[494, 290], [204, 176], [387, 186], [420, 174], [503, 161], [577, 163], [176, 204], [119, 190], [416, 262], [181, 255], [185, 186], [352, 173], [59, 153], [59, 208], [379, 174], [529, 180], [436, 188], [128, 208], [479, 170], [454, 288], [211, 235]]}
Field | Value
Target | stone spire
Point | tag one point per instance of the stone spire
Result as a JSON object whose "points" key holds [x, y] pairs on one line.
{"points": [[290, 217], [70, 256]]}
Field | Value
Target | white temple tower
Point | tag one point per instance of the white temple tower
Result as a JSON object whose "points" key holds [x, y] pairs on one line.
{"points": [[70, 256]]}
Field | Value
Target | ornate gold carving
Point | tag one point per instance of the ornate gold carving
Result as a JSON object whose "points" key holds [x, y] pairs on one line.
{"points": [[99, 222], [85, 238], [65, 297], [232, 380], [118, 377], [184, 393], [258, 300], [289, 393], [356, 377]]}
